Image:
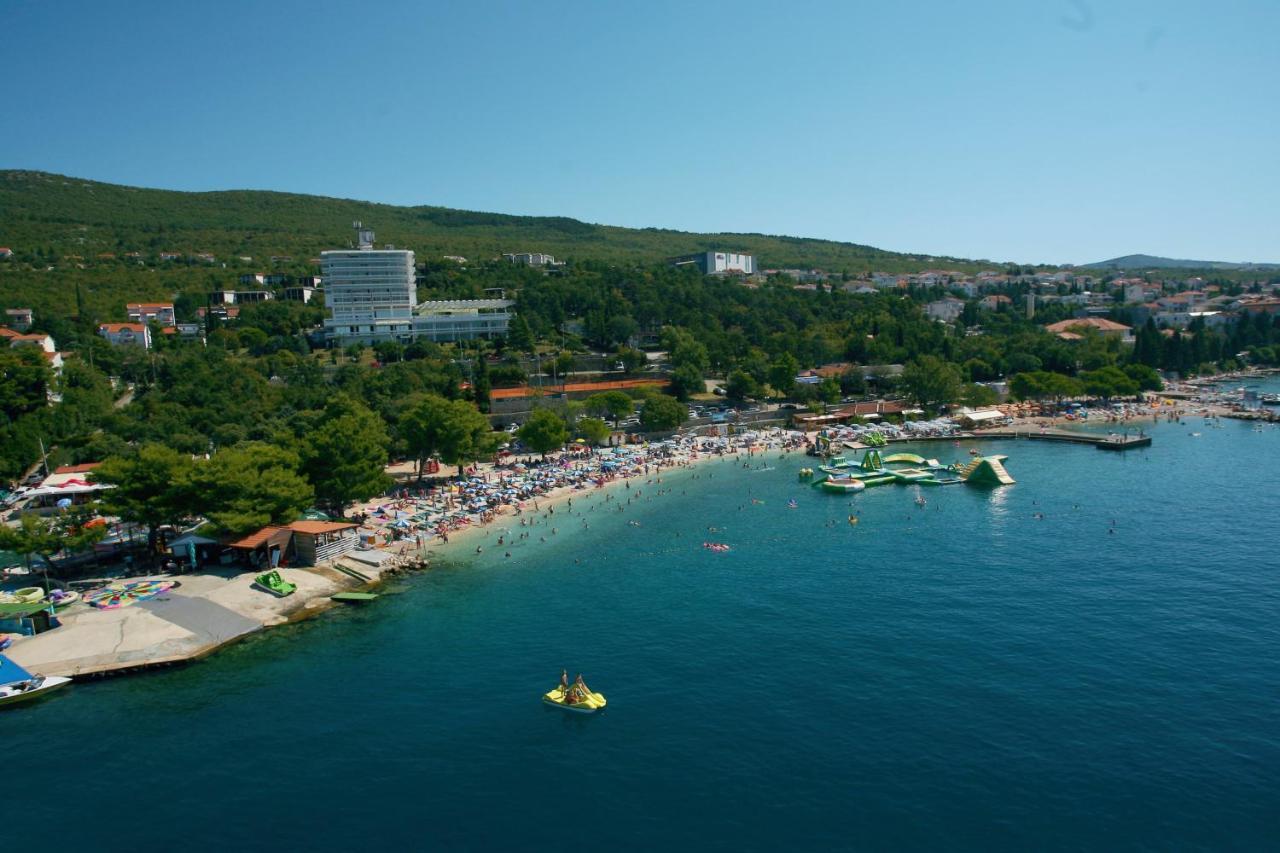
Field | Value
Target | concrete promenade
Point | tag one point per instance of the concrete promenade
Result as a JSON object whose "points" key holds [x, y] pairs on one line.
{"points": [[206, 611]]}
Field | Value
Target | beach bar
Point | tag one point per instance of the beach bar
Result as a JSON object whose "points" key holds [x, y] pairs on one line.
{"points": [[316, 542]]}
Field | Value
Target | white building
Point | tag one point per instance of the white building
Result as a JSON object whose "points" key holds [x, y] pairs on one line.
{"points": [[947, 309], [719, 263], [126, 334], [369, 292], [372, 296], [531, 259], [151, 312]]}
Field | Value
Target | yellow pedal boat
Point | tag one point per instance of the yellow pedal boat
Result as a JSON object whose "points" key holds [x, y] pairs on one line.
{"points": [[591, 704]]}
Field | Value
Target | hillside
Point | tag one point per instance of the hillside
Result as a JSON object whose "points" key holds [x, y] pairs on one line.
{"points": [[87, 218], [1150, 262]]}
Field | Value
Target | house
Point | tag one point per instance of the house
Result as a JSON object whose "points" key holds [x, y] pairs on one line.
{"points": [[38, 339], [218, 312], [170, 256], [206, 257], [530, 259], [20, 319], [6, 252], [126, 334], [300, 294], [995, 301], [1106, 328], [718, 263], [253, 278], [945, 310], [160, 313], [265, 549], [316, 542]]}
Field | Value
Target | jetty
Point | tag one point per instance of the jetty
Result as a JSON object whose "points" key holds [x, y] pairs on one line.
{"points": [[1111, 441]]}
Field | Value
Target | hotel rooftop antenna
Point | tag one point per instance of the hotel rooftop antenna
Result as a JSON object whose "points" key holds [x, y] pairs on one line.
{"points": [[364, 236]]}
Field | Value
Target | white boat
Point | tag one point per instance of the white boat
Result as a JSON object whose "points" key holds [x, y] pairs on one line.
{"points": [[18, 685]]}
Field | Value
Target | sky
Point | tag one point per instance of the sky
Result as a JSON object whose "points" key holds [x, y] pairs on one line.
{"points": [[1034, 131]]}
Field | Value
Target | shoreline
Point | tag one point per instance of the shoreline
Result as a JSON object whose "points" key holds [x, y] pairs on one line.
{"points": [[210, 609]]}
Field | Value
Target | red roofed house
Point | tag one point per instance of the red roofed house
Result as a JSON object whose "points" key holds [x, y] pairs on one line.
{"points": [[151, 312], [1106, 328], [6, 252], [126, 334]]}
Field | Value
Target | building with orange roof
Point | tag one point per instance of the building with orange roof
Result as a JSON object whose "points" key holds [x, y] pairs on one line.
{"points": [[1103, 326], [151, 312], [126, 334]]}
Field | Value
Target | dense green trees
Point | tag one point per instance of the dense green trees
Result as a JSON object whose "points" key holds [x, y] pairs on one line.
{"points": [[661, 413], [452, 429], [592, 430], [151, 487], [243, 488], [1044, 385], [931, 382], [344, 451], [544, 431], [614, 404]]}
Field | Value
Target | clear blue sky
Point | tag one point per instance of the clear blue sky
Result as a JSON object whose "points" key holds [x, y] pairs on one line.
{"points": [[1026, 130]]}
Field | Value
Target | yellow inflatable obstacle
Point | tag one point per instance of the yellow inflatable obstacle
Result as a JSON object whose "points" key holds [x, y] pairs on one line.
{"points": [[577, 698]]}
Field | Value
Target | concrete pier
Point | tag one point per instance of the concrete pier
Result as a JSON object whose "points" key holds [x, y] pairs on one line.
{"points": [[209, 609]]}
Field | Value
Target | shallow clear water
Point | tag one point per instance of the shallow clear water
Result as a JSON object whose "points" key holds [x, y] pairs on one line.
{"points": [[959, 676]]}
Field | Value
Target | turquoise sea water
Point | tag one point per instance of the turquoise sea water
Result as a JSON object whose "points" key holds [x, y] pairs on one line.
{"points": [[959, 676]]}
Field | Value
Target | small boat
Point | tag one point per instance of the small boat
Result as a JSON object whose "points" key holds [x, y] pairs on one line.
{"points": [[274, 584], [26, 595], [577, 697], [18, 685], [61, 598]]}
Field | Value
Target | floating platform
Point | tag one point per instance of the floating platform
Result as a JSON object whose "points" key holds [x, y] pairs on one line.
{"points": [[1114, 441], [353, 596]]}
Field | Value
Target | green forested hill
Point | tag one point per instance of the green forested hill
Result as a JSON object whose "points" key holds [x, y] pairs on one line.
{"points": [[75, 216]]}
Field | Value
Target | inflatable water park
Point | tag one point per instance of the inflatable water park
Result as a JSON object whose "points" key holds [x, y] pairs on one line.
{"points": [[843, 475]]}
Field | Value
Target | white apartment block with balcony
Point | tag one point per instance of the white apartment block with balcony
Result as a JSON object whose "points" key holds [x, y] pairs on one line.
{"points": [[372, 296], [160, 313]]}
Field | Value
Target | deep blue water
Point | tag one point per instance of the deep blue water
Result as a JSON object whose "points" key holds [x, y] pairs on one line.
{"points": [[962, 676]]}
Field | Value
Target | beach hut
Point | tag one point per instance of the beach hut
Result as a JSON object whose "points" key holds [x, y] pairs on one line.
{"points": [[268, 548], [322, 541]]}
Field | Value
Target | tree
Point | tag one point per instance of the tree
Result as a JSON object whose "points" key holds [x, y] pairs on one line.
{"points": [[544, 431], [852, 382], [593, 430], [661, 413], [975, 396], [345, 453], [33, 535], [632, 359], [481, 385], [1146, 377], [741, 386], [453, 429], [615, 404], [519, 337], [244, 488], [685, 380], [1108, 382], [931, 382], [151, 487], [782, 373], [24, 380]]}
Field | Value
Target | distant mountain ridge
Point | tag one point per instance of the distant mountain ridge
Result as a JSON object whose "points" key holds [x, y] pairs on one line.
{"points": [[67, 214], [1139, 262]]}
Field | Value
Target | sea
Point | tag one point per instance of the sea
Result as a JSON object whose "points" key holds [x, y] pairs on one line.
{"points": [[1088, 659]]}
